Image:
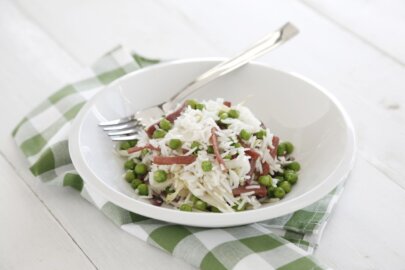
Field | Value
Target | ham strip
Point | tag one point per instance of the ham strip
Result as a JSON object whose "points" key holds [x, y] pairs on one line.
{"points": [[252, 170], [151, 129], [170, 117], [180, 160], [252, 153], [174, 115], [266, 168], [253, 158], [227, 103], [156, 200], [259, 192], [275, 141], [140, 148], [214, 141]]}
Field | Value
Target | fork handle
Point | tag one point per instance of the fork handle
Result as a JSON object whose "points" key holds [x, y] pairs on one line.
{"points": [[263, 46]]}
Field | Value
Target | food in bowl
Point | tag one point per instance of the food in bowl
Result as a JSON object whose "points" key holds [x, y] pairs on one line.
{"points": [[209, 156]]}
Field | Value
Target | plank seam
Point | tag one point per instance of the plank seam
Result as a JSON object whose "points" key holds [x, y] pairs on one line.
{"points": [[47, 33], [356, 35], [2, 155]]}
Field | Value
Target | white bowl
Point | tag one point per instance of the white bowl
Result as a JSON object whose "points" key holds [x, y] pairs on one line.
{"points": [[292, 107]]}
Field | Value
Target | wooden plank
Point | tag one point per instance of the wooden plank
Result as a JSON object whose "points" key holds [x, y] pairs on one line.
{"points": [[31, 238], [365, 231], [104, 243], [324, 52], [380, 23], [33, 66], [334, 58], [148, 26]]}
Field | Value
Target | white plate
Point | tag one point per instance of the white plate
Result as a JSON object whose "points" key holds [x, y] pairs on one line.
{"points": [[292, 107]]}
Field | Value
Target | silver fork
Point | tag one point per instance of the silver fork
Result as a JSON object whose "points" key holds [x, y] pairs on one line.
{"points": [[126, 128]]}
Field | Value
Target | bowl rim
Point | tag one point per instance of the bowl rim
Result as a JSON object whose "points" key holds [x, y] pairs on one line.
{"points": [[211, 219]]}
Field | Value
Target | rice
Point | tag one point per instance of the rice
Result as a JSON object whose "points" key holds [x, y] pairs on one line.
{"points": [[216, 186]]}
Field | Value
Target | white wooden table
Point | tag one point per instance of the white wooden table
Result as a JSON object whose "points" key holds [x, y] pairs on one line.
{"points": [[356, 49]]}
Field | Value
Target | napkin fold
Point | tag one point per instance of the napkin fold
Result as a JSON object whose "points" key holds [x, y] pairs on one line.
{"points": [[281, 243]]}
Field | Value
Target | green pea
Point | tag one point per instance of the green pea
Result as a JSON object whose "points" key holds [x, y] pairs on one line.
{"points": [[245, 135], [141, 168], [237, 145], [169, 190], [165, 124], [233, 113], [279, 192], [223, 115], [200, 205], [200, 106], [192, 103], [125, 146], [235, 207], [295, 166], [206, 166], [144, 152], [129, 176], [159, 133], [280, 178], [229, 156], [291, 176], [160, 176], [289, 147], [265, 180], [132, 143], [286, 186], [261, 134], [196, 145], [270, 191], [135, 183], [194, 199], [186, 207], [281, 149], [210, 149], [143, 189], [129, 164], [214, 209], [175, 144]]}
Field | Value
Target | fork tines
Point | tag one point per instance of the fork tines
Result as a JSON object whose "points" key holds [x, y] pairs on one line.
{"points": [[122, 129]]}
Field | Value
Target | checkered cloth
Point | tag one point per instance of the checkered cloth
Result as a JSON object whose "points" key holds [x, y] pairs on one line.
{"points": [[281, 243]]}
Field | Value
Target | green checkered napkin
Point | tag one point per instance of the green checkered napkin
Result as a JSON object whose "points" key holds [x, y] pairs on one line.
{"points": [[282, 243]]}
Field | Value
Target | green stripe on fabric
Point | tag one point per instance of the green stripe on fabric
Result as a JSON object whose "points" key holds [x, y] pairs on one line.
{"points": [[33, 145], [70, 114], [142, 61], [210, 262], [137, 218], [293, 235], [296, 238], [231, 252], [87, 84], [45, 163], [15, 130], [110, 76], [261, 243], [65, 91], [73, 180], [61, 153], [167, 237], [40, 108], [191, 249], [300, 243], [117, 214], [304, 263], [304, 221]]}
